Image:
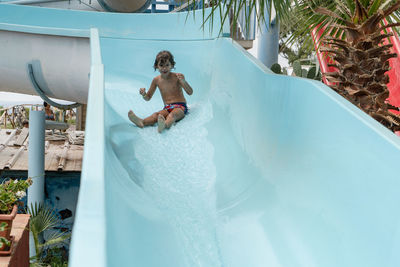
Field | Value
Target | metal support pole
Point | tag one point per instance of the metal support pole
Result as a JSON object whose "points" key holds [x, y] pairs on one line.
{"points": [[268, 39], [268, 43], [36, 163]]}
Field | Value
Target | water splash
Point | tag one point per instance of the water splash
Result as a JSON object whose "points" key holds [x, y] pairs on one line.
{"points": [[179, 175]]}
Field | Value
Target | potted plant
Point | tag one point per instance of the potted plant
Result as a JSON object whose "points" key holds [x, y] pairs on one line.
{"points": [[5, 244], [11, 191]]}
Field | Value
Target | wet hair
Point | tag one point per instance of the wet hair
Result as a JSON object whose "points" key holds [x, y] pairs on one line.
{"points": [[163, 57], [45, 104], [25, 122]]}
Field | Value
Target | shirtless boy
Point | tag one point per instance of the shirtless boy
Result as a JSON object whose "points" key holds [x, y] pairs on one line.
{"points": [[170, 85]]}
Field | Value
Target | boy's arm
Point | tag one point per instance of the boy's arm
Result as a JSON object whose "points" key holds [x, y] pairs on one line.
{"points": [[184, 83], [147, 96]]}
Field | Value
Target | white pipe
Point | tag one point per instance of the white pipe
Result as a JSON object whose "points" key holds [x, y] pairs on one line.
{"points": [[60, 64], [30, 2]]}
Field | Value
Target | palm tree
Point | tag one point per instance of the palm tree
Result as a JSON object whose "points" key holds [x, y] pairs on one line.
{"points": [[44, 218], [354, 35]]}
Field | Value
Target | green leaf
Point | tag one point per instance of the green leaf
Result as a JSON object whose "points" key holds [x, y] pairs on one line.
{"points": [[4, 242], [43, 218], [56, 239], [374, 7], [3, 226]]}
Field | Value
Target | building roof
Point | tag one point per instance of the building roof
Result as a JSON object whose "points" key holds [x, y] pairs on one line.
{"points": [[63, 151]]}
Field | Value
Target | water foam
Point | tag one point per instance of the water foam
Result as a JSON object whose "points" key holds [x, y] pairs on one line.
{"points": [[179, 175]]}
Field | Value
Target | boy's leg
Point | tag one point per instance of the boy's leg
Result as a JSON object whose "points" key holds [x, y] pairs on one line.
{"points": [[151, 120], [175, 115], [161, 123], [135, 119]]}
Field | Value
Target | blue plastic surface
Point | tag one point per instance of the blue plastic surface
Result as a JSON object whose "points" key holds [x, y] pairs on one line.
{"points": [[266, 170]]}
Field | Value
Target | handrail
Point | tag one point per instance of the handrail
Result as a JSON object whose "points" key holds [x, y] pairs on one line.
{"points": [[183, 6], [44, 30], [29, 2], [16, 105]]}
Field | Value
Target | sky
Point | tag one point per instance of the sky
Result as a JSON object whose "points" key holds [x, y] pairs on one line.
{"points": [[11, 99]]}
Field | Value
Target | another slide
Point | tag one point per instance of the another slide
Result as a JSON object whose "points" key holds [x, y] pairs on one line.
{"points": [[265, 170]]}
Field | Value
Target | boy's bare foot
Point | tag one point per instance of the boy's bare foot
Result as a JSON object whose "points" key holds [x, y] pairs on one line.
{"points": [[135, 119], [161, 123]]}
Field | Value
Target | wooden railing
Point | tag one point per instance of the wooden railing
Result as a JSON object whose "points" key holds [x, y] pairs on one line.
{"points": [[14, 116]]}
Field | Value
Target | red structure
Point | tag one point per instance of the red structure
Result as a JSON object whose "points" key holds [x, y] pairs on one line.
{"points": [[20, 251], [394, 72]]}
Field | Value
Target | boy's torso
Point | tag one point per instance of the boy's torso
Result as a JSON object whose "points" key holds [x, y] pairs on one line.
{"points": [[170, 89]]}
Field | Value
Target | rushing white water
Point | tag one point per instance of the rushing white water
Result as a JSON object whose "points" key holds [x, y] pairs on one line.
{"points": [[179, 175]]}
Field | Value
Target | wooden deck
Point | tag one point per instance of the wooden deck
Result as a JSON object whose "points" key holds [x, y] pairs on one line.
{"points": [[61, 152]]}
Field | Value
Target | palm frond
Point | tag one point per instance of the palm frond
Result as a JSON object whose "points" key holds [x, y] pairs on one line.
{"points": [[261, 8], [42, 217], [311, 14], [55, 239], [373, 7]]}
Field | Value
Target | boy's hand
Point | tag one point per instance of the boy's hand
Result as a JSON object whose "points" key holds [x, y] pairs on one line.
{"points": [[181, 77], [142, 91]]}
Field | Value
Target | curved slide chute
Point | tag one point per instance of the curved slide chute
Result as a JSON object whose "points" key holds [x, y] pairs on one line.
{"points": [[265, 170], [124, 6]]}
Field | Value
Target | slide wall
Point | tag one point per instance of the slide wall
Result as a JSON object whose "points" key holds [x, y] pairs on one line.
{"points": [[265, 170]]}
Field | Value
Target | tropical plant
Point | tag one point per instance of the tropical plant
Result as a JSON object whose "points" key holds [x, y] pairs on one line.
{"points": [[356, 38], [44, 218], [277, 68], [296, 49], [11, 191], [312, 73], [231, 10]]}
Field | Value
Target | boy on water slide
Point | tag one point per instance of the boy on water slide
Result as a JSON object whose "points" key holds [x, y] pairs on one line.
{"points": [[170, 85]]}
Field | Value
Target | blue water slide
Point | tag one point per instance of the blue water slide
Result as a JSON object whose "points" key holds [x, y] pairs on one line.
{"points": [[265, 170]]}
